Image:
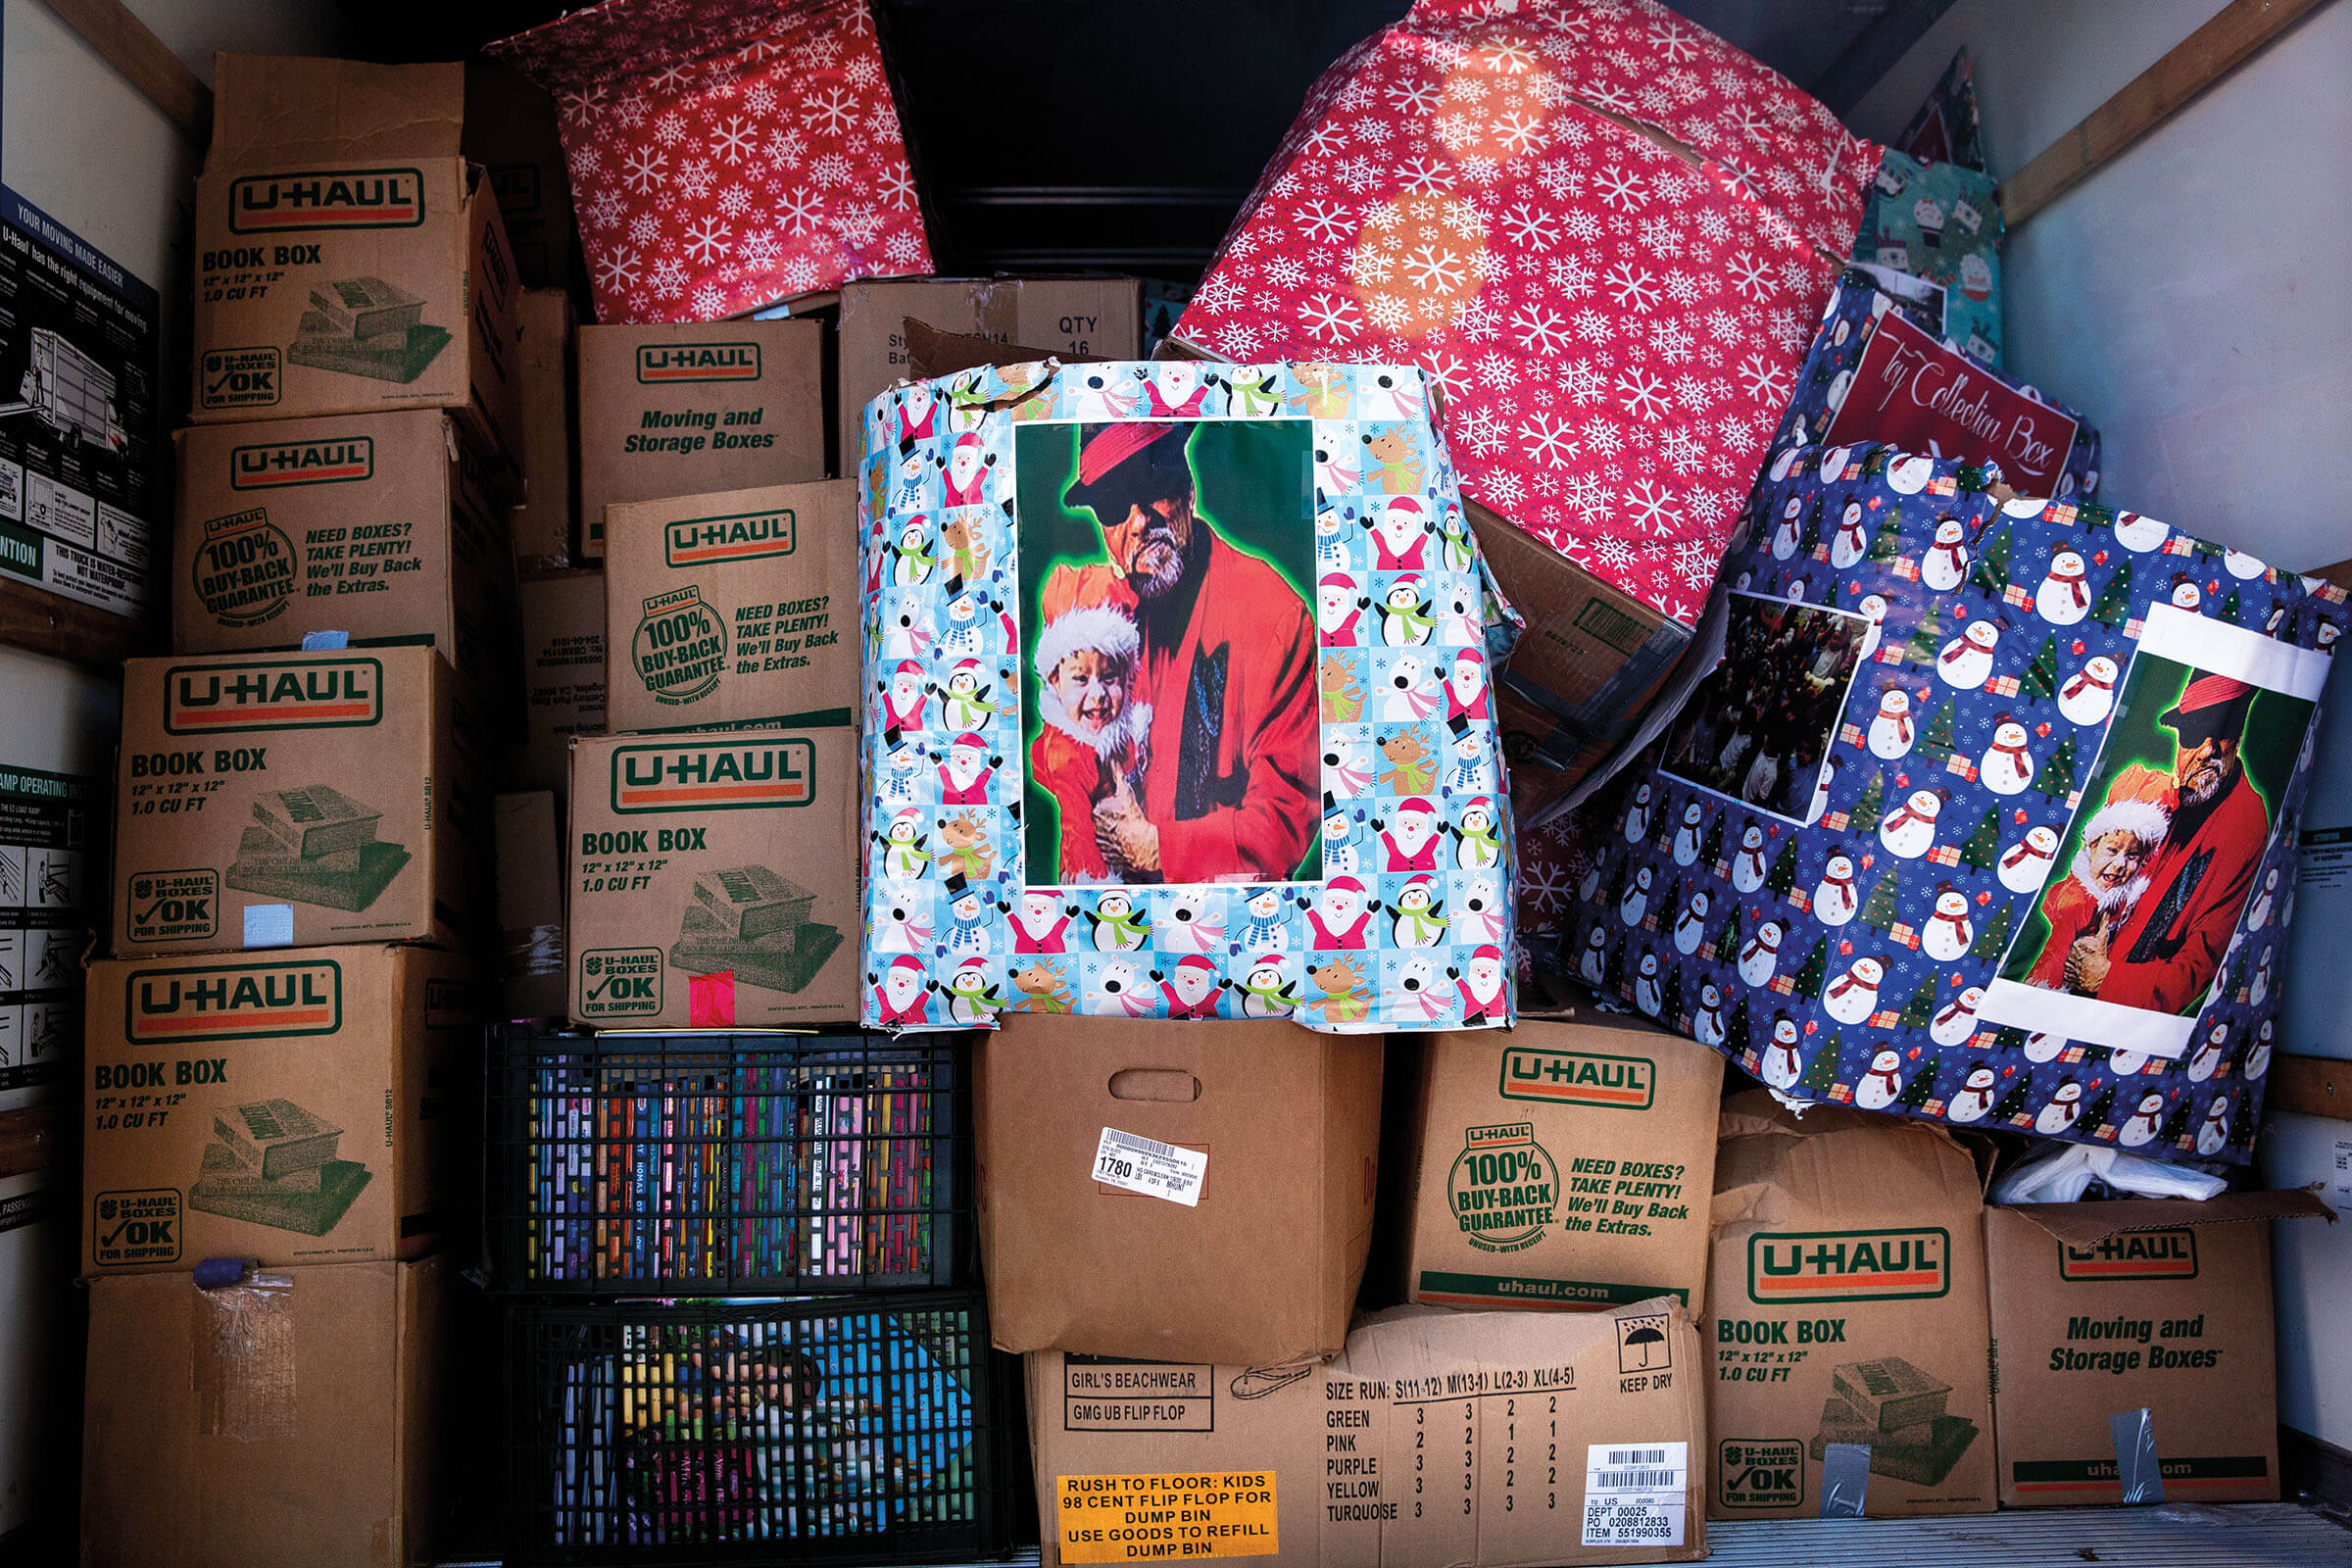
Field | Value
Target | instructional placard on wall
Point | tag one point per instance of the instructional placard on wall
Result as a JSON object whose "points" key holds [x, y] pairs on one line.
{"points": [[81, 492], [46, 820]]}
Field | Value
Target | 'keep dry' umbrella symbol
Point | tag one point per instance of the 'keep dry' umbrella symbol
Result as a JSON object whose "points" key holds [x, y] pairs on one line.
{"points": [[1641, 1345]]}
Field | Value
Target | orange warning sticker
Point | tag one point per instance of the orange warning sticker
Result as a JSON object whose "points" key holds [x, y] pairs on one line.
{"points": [[1146, 1518]]}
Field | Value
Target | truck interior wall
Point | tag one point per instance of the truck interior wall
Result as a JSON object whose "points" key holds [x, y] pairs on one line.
{"points": [[2191, 291]]}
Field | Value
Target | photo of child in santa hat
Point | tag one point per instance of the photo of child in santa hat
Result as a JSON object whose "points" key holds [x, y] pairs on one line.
{"points": [[1091, 745], [2110, 871]]}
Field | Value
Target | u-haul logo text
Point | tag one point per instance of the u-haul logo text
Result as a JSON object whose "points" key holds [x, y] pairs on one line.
{"points": [[712, 777], [295, 694], [1578, 1078], [1848, 1265], [326, 198], [739, 536], [2132, 1255], [241, 1001], [698, 361], [340, 461]]}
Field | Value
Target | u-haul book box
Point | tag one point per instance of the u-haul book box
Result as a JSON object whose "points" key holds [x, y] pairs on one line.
{"points": [[348, 259], [713, 883], [291, 800], [285, 1107]]}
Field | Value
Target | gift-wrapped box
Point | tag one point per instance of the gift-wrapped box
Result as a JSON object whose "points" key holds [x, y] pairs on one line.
{"points": [[1178, 702], [1941, 223], [1986, 815], [727, 153]]}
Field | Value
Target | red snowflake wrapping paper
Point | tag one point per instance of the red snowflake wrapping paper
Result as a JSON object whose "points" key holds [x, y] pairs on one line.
{"points": [[1615, 326], [725, 154]]}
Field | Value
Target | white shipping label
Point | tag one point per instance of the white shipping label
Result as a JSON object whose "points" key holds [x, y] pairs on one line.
{"points": [[1635, 1495], [1153, 1168]]}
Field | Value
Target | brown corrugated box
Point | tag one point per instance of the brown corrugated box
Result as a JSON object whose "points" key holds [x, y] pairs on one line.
{"points": [[511, 131], [2155, 1304], [290, 1107], [1846, 1305], [384, 526], [1569, 1168], [690, 408], [1437, 1439], [1083, 317], [303, 800], [295, 1425], [733, 608], [348, 259], [530, 905], [1264, 1268], [562, 673], [547, 526], [714, 880]]}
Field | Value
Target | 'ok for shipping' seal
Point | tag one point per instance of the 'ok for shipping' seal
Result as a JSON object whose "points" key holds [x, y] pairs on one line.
{"points": [[1504, 1187]]}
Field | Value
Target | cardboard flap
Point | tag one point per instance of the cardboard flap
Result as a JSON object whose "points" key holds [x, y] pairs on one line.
{"points": [[2082, 1224], [293, 110], [932, 353]]}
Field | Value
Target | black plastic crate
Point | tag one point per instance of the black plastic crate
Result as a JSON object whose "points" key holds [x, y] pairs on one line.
{"points": [[753, 1430], [734, 1164]]}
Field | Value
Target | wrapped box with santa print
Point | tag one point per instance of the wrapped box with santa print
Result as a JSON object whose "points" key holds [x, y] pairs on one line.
{"points": [[1604, 236], [1177, 703], [1988, 818], [725, 154], [1941, 223]]}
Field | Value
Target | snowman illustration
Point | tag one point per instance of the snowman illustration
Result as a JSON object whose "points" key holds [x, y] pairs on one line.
{"points": [[1834, 462], [1908, 474], [1706, 1024], [1747, 866], [2215, 1133], [1946, 563], [1636, 902], [1871, 608], [2186, 595], [1891, 732], [1851, 542], [2258, 1059], [1783, 537], [1688, 838], [2140, 1126], [1834, 901], [1690, 926], [1956, 1020], [1636, 815], [2089, 696], [2139, 534], [2209, 1055], [1593, 967], [1882, 1083], [2062, 599], [1909, 830], [1948, 931], [1779, 1065], [2258, 913], [1854, 995], [2043, 1047], [1588, 886], [2127, 1063], [2007, 767], [2064, 1108], [2026, 865], [1974, 1097], [1760, 953], [1645, 985], [2262, 980], [1966, 662]]}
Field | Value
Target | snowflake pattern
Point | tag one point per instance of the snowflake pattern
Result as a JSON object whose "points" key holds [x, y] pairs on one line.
{"points": [[1616, 329], [759, 140]]}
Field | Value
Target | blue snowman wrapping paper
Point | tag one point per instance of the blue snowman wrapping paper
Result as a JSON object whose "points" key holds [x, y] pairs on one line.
{"points": [[1986, 816], [1178, 702]]}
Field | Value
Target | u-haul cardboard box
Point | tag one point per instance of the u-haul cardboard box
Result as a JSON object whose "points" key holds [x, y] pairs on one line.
{"points": [[380, 525], [714, 880], [562, 673], [297, 1423], [292, 800], [733, 608], [348, 259], [688, 410], [287, 1107], [1845, 1306], [1569, 1168], [1437, 1439], [546, 527], [2108, 1310]]}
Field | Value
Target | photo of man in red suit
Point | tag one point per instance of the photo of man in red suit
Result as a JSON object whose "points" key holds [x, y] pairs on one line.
{"points": [[2165, 955], [1226, 663]]}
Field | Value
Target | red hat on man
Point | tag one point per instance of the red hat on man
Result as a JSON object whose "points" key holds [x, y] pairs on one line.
{"points": [[2211, 707]]}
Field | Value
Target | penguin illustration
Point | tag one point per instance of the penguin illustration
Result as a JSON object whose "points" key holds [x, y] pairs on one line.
{"points": [[1115, 925]]}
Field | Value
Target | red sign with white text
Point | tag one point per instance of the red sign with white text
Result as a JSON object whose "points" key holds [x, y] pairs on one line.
{"points": [[1922, 395]]}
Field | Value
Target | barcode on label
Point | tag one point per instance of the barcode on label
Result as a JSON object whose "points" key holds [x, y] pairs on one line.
{"points": [[1138, 1140], [1146, 1165], [1638, 1457], [1633, 1480]]}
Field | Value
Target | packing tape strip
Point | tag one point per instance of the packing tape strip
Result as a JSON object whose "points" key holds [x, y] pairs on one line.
{"points": [[244, 1368], [1844, 1480], [533, 950], [2136, 1464]]}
